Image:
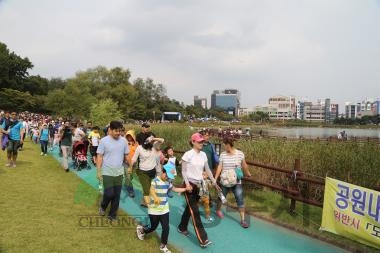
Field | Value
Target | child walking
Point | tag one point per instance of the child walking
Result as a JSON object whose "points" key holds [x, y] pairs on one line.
{"points": [[204, 193], [94, 139], [170, 158], [158, 209], [132, 144]]}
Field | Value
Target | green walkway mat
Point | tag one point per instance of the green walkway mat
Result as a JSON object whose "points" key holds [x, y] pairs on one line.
{"points": [[226, 234]]}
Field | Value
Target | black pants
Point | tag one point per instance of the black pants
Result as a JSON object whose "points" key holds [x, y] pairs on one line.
{"points": [[192, 211], [112, 190], [154, 221], [44, 145], [86, 144]]}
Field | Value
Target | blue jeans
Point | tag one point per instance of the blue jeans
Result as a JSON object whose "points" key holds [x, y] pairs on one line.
{"points": [[237, 190]]}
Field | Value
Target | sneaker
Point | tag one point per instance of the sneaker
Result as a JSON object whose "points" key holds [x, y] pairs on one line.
{"points": [[45, 154], [165, 249], [13, 165], [244, 224], [67, 170], [8, 165], [185, 232], [101, 211], [42, 153], [206, 243], [220, 214], [140, 232], [209, 220]]}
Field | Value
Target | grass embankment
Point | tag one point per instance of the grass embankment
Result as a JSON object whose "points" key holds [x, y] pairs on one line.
{"points": [[39, 212], [352, 162]]}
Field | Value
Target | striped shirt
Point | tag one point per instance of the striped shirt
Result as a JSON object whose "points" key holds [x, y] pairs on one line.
{"points": [[161, 189], [231, 161]]}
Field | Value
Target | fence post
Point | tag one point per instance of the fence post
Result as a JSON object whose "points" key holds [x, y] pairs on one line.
{"points": [[294, 185]]}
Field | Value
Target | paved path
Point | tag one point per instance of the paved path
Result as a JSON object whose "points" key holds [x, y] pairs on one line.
{"points": [[226, 234]]}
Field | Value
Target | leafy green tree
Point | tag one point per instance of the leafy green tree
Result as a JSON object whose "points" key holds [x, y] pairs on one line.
{"points": [[16, 100], [36, 85], [104, 111], [259, 116], [73, 101], [56, 83], [13, 69]]}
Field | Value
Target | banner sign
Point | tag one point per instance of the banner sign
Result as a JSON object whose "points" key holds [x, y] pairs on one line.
{"points": [[352, 211]]}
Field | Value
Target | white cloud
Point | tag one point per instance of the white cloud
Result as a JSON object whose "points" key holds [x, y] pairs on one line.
{"points": [[325, 48]]}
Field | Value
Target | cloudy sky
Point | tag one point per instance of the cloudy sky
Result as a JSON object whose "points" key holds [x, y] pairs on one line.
{"points": [[307, 48]]}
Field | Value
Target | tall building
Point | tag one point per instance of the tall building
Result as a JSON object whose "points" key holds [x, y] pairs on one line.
{"points": [[271, 110], [366, 108], [376, 106], [334, 112], [314, 111], [228, 100], [352, 110], [200, 102], [285, 107], [323, 111]]}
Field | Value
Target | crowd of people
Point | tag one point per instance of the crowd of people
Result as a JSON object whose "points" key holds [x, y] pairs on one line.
{"points": [[120, 154]]}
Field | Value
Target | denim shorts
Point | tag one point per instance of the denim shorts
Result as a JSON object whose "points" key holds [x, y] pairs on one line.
{"points": [[237, 190]]}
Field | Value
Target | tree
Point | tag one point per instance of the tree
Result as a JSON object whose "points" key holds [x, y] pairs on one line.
{"points": [[259, 116], [73, 101], [56, 83], [104, 112], [16, 100], [13, 69], [36, 85]]}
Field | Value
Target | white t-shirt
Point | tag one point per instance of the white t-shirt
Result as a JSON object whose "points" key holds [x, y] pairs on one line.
{"points": [[78, 135], [196, 162], [149, 159]]}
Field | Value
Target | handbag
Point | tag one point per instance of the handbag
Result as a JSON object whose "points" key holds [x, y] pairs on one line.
{"points": [[239, 173], [228, 178]]}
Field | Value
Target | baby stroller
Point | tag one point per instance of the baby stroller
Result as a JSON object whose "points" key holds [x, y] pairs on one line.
{"points": [[79, 156]]}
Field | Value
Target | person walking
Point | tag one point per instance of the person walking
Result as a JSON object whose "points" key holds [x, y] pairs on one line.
{"points": [[112, 152], [66, 135], [212, 156], [209, 149], [144, 134], [26, 128], [194, 163], [132, 144], [158, 208], [148, 167], [44, 139], [51, 135], [232, 160], [4, 125], [14, 131], [94, 139]]}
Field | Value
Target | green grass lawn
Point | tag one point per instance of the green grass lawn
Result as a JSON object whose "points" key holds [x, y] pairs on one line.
{"points": [[38, 212]]}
